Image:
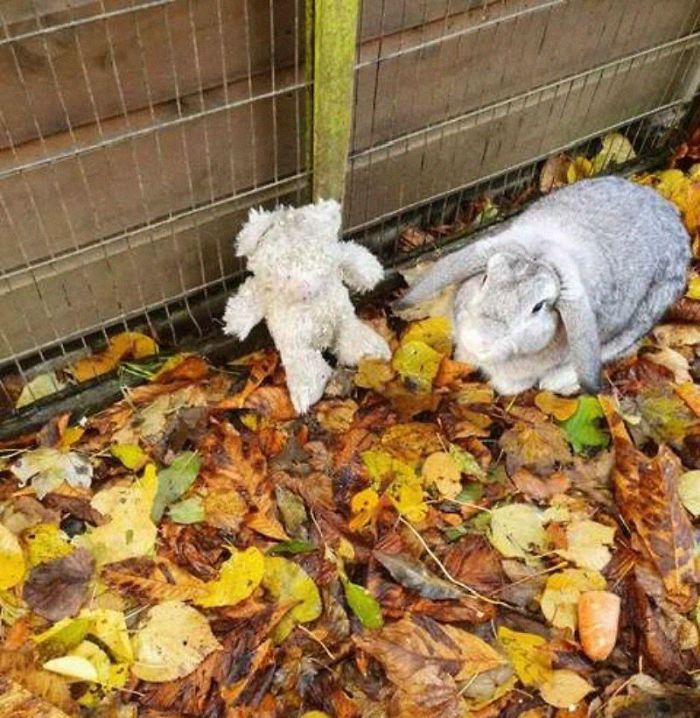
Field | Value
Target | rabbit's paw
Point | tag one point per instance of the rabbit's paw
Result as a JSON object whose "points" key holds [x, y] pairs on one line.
{"points": [[357, 340], [562, 381]]}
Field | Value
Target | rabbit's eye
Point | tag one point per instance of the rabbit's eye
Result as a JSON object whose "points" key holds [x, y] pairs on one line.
{"points": [[538, 307]]}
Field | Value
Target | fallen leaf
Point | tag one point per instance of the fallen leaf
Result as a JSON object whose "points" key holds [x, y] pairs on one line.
{"points": [[286, 581], [48, 468], [130, 531], [674, 361], [45, 542], [560, 407], [616, 150], [412, 574], [582, 428], [436, 332], [364, 605], [373, 374], [131, 456], [417, 364], [466, 462], [441, 470], [336, 416], [587, 544], [174, 481], [15, 700], [540, 447], [517, 530], [127, 344], [171, 642], [565, 689], [187, 511], [239, 576], [580, 168], [406, 493], [57, 589], [411, 441], [529, 654], [39, 387], [689, 491], [562, 592], [554, 173], [12, 563]]}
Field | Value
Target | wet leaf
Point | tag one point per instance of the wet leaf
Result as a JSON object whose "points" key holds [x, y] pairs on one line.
{"points": [[411, 441], [560, 407], [364, 605], [286, 582], [406, 493], [171, 642], [412, 574], [529, 655], [373, 374], [540, 446]]}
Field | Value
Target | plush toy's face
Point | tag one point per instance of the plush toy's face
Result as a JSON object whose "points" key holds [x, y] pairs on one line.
{"points": [[290, 251]]}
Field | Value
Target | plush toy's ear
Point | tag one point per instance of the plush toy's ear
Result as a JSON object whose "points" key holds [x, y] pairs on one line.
{"points": [[259, 221]]}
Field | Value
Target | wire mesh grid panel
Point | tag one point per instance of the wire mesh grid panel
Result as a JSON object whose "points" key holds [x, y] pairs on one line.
{"points": [[133, 136], [450, 93]]}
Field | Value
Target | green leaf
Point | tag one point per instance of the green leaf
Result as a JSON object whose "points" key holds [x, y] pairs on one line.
{"points": [[174, 481], [364, 605], [294, 546], [466, 462], [287, 582], [583, 429], [187, 511], [471, 493]]}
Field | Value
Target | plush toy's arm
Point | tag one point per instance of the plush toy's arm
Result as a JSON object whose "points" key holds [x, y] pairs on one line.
{"points": [[243, 310], [360, 269]]}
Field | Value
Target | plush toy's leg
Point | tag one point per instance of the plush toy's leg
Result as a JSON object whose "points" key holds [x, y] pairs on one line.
{"points": [[356, 340], [307, 375], [243, 311]]}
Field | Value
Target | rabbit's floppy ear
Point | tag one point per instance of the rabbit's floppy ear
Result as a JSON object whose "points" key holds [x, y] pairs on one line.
{"points": [[259, 221], [579, 321], [455, 267]]}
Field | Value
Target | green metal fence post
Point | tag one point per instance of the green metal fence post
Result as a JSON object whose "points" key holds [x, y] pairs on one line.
{"points": [[332, 35]]}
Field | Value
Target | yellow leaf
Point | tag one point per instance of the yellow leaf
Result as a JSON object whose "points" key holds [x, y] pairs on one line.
{"points": [[362, 506], [580, 168], [587, 543], [238, 578], [131, 455], [560, 407], [373, 374], [411, 441], [46, 542], [517, 530], [315, 714], [286, 581], [565, 689], [673, 185], [693, 287], [436, 332], [441, 470], [109, 627], [559, 602], [689, 491], [130, 531], [12, 564], [406, 493], [529, 655], [121, 346], [417, 364], [336, 416], [383, 467], [38, 388], [108, 674], [71, 436], [172, 641], [616, 150]]}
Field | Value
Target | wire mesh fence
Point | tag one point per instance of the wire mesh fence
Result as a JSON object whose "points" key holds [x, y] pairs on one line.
{"points": [[134, 136]]}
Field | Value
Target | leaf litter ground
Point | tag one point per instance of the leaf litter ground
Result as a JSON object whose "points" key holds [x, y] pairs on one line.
{"points": [[415, 546]]}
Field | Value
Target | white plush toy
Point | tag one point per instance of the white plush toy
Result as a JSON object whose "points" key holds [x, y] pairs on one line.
{"points": [[298, 286]]}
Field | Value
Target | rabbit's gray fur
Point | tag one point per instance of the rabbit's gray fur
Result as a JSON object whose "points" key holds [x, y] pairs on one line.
{"points": [[604, 257]]}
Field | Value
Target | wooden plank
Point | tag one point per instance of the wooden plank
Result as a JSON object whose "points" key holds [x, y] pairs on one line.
{"points": [[409, 91], [335, 34], [413, 171], [71, 76], [68, 203]]}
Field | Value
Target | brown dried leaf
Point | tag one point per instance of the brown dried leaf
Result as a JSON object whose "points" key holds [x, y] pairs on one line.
{"points": [[17, 702], [57, 589], [538, 446]]}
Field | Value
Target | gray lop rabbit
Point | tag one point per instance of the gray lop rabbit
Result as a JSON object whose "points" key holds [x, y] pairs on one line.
{"points": [[572, 283]]}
